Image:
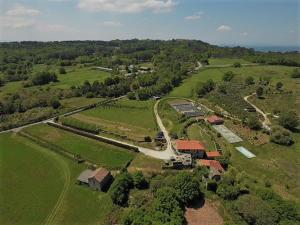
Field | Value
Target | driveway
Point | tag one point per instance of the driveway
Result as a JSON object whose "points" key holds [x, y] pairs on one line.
{"points": [[266, 121]]}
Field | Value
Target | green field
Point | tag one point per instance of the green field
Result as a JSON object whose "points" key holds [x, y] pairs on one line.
{"points": [[132, 118], [276, 73], [36, 180], [274, 163], [225, 61], [31, 181], [103, 154], [197, 132], [73, 77]]}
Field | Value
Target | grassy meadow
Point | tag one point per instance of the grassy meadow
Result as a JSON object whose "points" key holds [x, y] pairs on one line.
{"points": [[134, 119], [103, 154], [75, 76], [37, 180], [225, 61], [32, 180]]}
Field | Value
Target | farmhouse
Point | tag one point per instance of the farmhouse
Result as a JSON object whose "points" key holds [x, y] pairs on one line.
{"points": [[215, 120], [195, 148], [213, 155], [98, 179]]}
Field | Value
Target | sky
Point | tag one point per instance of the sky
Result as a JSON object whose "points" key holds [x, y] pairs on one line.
{"points": [[222, 22]]}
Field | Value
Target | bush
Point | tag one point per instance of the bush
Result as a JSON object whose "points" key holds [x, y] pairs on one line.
{"points": [[131, 96], [249, 80], [62, 70], [55, 104], [139, 180], [228, 76], [41, 78], [147, 139], [237, 65], [289, 120], [281, 136], [295, 73], [90, 95], [253, 123]]}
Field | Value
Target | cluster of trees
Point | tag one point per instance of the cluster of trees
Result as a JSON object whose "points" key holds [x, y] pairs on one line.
{"points": [[265, 207], [282, 134], [165, 205], [26, 100], [275, 58], [111, 87], [204, 88]]}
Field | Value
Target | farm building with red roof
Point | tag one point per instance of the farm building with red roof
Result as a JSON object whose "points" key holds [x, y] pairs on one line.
{"points": [[213, 155], [215, 120], [215, 168], [98, 179], [195, 148]]}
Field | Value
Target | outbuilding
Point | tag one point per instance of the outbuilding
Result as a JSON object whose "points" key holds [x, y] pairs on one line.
{"points": [[215, 120], [98, 179]]}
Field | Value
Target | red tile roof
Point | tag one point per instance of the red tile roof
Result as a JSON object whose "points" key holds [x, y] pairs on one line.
{"points": [[185, 145], [204, 162], [214, 119], [213, 154], [99, 174], [212, 163]]}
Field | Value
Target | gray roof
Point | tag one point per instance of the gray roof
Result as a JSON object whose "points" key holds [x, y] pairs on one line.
{"points": [[85, 175]]}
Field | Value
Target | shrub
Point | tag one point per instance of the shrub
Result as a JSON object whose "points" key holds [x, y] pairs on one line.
{"points": [[253, 123], [281, 136], [228, 76], [289, 120], [55, 104], [62, 70], [139, 180], [147, 139], [120, 188], [249, 80], [295, 73], [237, 65]]}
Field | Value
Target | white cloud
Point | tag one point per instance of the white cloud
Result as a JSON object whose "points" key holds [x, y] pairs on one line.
{"points": [[54, 28], [244, 34], [127, 6], [16, 22], [20, 10], [224, 28], [110, 24], [195, 16]]}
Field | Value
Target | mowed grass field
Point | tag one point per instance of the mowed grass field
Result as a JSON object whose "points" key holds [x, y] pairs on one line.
{"points": [[31, 181], [225, 61], [132, 118], [103, 154], [36, 179]]}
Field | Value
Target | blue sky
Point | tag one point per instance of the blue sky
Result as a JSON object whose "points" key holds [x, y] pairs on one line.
{"points": [[229, 22]]}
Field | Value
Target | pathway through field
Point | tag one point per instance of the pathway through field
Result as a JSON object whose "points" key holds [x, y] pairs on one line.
{"points": [[54, 213]]}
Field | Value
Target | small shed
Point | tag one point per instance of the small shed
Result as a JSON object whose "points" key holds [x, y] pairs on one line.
{"points": [[213, 155], [98, 179], [215, 120]]}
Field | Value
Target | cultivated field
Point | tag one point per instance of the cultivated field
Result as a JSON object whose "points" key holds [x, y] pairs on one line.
{"points": [[130, 118], [100, 153]]}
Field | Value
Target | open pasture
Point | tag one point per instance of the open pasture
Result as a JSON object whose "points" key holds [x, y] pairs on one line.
{"points": [[134, 119], [103, 154]]}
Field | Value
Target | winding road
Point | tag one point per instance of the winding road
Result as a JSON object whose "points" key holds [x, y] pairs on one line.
{"points": [[266, 123]]}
